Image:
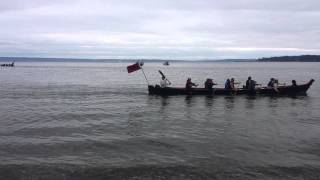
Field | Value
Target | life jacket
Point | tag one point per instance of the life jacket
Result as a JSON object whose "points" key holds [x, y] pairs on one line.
{"points": [[227, 85]]}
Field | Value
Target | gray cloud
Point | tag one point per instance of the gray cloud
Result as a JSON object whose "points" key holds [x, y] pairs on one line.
{"points": [[180, 29]]}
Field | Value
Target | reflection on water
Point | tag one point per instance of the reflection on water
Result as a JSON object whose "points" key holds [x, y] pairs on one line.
{"points": [[229, 103], [209, 100], [189, 99], [250, 102]]}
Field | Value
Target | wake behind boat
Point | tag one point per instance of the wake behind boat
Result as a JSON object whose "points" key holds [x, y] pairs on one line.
{"points": [[281, 90]]}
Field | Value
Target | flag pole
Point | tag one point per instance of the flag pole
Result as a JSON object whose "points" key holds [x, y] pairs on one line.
{"points": [[144, 75]]}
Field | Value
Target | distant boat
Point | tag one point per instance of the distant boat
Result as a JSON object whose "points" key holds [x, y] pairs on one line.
{"points": [[141, 63], [8, 65], [166, 63]]}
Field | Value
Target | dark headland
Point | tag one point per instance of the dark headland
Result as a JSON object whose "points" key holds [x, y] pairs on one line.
{"points": [[301, 58]]}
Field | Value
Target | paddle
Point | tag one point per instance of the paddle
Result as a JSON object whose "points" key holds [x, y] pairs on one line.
{"points": [[164, 76]]}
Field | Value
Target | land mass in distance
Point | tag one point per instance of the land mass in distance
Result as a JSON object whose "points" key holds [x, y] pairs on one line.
{"points": [[301, 58]]}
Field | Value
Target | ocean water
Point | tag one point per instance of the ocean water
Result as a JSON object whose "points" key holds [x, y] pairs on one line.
{"points": [[96, 121]]}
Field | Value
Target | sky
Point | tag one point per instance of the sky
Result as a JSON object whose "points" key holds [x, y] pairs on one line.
{"points": [[159, 29]]}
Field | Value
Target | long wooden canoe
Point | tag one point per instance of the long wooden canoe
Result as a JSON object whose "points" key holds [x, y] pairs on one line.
{"points": [[281, 90]]}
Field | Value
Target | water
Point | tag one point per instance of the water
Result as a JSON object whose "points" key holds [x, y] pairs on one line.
{"points": [[96, 121]]}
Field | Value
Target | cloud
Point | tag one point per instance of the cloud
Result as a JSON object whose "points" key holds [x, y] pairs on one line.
{"points": [[177, 29]]}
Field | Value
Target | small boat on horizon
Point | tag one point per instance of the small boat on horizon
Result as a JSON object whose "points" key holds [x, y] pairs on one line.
{"points": [[8, 65], [166, 63]]}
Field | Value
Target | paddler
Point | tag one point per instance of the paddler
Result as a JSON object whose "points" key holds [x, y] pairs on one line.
{"points": [[190, 84]]}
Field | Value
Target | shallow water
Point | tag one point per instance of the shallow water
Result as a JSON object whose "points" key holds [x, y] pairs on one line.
{"points": [[96, 121]]}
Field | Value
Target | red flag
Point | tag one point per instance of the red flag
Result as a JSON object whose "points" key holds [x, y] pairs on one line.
{"points": [[133, 67]]}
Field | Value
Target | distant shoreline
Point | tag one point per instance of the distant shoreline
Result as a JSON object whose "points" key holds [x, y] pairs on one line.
{"points": [[302, 58]]}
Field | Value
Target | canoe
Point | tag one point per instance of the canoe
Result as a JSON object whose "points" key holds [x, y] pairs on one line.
{"points": [[281, 90]]}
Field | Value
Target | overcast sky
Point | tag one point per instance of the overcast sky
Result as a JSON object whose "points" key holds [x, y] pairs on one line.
{"points": [[173, 29]]}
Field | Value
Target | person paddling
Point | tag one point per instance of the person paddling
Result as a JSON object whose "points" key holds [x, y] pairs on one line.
{"points": [[190, 84], [233, 84], [248, 82], [164, 82], [227, 85], [275, 85], [209, 83], [251, 84], [294, 83], [271, 83]]}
